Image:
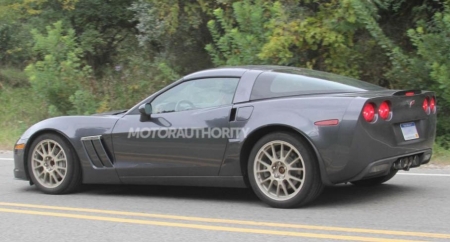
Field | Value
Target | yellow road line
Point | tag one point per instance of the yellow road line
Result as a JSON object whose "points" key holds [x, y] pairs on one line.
{"points": [[240, 222], [198, 226]]}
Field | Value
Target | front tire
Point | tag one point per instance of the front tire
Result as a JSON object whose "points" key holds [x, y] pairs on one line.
{"points": [[283, 171], [53, 165]]}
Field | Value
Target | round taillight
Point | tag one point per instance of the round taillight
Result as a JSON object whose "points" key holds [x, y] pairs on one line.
{"points": [[369, 112], [425, 105], [433, 104], [384, 110]]}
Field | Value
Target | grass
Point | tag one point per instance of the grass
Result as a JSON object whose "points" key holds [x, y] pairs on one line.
{"points": [[440, 156], [13, 77], [8, 137], [19, 109]]}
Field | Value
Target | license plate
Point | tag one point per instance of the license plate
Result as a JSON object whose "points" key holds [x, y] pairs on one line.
{"points": [[409, 131]]}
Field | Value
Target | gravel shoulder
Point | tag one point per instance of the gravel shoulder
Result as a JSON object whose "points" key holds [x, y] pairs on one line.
{"points": [[6, 152]]}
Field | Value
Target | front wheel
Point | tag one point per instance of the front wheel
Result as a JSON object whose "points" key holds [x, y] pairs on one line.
{"points": [[53, 165], [283, 171]]}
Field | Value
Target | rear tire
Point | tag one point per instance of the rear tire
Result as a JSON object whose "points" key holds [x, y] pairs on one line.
{"points": [[283, 171], [375, 181], [53, 165]]}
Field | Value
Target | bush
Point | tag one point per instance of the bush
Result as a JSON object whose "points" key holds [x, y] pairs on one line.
{"points": [[59, 74]]}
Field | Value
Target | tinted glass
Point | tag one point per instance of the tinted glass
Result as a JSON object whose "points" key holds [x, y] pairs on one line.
{"points": [[196, 94], [292, 82]]}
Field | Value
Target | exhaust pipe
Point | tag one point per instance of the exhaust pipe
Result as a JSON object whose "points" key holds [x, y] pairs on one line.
{"points": [[400, 164], [416, 161], [405, 163], [408, 164]]}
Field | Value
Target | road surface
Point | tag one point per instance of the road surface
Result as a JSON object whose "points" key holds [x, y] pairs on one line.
{"points": [[411, 207]]}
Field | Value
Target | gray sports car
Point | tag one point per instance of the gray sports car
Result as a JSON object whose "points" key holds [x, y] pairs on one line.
{"points": [[285, 132]]}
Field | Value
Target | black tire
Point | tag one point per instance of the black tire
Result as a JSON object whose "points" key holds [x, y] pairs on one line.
{"points": [[375, 181], [312, 183], [72, 178]]}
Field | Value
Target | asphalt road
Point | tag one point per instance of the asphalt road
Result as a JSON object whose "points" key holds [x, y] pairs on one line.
{"points": [[413, 206]]}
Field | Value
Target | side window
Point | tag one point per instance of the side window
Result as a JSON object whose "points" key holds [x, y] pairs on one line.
{"points": [[286, 85], [196, 94], [279, 84]]}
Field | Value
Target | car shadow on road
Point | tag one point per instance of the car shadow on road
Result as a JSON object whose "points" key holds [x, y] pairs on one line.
{"points": [[172, 192], [331, 196], [349, 194]]}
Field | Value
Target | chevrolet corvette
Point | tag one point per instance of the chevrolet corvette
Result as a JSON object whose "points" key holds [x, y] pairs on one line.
{"points": [[284, 132]]}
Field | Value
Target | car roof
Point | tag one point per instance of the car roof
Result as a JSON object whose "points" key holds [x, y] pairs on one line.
{"points": [[235, 71]]}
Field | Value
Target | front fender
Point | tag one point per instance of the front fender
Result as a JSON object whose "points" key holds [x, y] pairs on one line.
{"points": [[72, 128]]}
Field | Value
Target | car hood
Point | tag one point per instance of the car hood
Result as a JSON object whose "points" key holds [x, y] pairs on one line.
{"points": [[75, 126]]}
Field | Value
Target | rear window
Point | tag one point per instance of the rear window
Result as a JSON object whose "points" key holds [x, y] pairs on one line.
{"points": [[293, 82]]}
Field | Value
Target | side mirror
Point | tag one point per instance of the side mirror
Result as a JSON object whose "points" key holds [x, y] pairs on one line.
{"points": [[146, 111]]}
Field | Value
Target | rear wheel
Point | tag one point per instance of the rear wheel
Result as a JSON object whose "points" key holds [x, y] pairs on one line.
{"points": [[283, 171], [53, 165], [375, 181]]}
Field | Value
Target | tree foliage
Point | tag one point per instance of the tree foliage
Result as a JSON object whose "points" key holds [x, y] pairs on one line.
{"points": [[238, 37], [85, 56], [58, 73]]}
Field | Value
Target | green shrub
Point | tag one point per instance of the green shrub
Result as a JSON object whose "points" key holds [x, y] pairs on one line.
{"points": [[59, 73]]}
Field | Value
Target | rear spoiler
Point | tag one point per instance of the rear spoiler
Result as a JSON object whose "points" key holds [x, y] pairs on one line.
{"points": [[407, 93]]}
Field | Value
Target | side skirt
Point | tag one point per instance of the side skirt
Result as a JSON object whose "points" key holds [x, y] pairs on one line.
{"points": [[198, 181]]}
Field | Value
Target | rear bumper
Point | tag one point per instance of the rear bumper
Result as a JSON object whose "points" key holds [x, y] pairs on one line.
{"points": [[360, 146], [384, 166]]}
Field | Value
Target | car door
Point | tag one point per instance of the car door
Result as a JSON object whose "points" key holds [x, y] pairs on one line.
{"points": [[185, 136]]}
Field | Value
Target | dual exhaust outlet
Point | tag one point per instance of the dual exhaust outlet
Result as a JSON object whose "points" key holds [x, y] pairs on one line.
{"points": [[407, 162]]}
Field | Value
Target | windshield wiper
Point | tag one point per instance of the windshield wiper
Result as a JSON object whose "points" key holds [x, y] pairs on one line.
{"points": [[167, 111], [120, 112]]}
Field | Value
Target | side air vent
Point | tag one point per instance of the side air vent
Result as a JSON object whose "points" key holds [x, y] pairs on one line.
{"points": [[96, 152], [233, 114]]}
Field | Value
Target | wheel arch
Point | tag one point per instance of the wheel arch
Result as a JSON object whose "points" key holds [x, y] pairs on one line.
{"points": [[257, 134], [34, 137]]}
